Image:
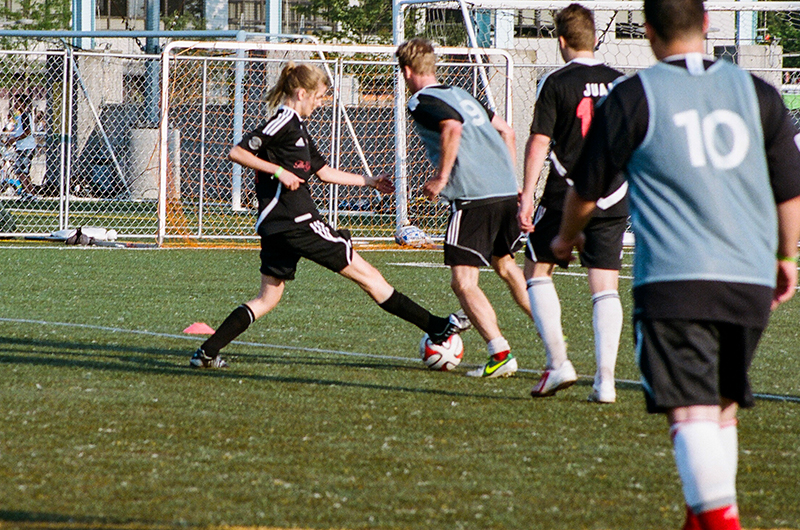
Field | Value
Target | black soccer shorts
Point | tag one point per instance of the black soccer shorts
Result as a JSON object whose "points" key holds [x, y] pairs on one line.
{"points": [[484, 229], [316, 241], [603, 247], [691, 362]]}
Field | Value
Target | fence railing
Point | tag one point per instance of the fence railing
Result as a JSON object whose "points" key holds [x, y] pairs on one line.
{"points": [[138, 143], [215, 91]]}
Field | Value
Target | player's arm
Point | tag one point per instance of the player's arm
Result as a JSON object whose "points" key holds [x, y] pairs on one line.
{"points": [[449, 142], [537, 147], [383, 183], [577, 213], [782, 146], [26, 127], [788, 236], [535, 154], [507, 134], [245, 158]]}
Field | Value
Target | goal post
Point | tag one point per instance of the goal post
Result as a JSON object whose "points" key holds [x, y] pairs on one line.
{"points": [[499, 55], [760, 36], [362, 127]]}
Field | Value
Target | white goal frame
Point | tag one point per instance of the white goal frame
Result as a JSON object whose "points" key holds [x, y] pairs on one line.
{"points": [[500, 59]]}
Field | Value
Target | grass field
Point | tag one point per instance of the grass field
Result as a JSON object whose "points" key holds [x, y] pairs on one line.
{"points": [[326, 418]]}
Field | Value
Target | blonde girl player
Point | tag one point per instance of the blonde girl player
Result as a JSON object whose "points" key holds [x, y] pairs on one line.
{"points": [[284, 157]]}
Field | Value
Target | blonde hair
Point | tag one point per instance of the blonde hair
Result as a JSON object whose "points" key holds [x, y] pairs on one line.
{"points": [[418, 55], [294, 77]]}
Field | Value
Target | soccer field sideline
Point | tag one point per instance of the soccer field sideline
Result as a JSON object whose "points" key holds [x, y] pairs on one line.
{"points": [[109, 329]]}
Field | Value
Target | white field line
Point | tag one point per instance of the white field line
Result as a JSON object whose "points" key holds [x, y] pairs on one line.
{"points": [[768, 397]]}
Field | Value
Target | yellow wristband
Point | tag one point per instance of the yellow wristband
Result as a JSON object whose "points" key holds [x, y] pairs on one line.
{"points": [[278, 173], [792, 259]]}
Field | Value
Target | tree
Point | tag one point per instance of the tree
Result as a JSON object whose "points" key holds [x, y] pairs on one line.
{"points": [[359, 21], [784, 28], [183, 15], [34, 15]]}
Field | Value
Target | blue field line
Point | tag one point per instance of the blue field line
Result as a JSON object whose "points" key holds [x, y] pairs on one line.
{"points": [[767, 397]]}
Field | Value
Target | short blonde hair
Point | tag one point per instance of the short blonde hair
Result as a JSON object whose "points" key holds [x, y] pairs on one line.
{"points": [[418, 55], [294, 77]]}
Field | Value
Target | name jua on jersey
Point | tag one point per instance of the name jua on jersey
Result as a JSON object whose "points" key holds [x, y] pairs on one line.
{"points": [[594, 90]]}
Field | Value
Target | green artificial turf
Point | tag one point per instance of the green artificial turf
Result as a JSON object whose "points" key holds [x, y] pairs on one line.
{"points": [[326, 418]]}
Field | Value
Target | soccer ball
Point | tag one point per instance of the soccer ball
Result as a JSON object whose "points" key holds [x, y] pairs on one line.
{"points": [[444, 356], [411, 236]]}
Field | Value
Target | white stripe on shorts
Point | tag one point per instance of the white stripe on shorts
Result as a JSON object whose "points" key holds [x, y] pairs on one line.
{"points": [[323, 231], [269, 207], [453, 228]]}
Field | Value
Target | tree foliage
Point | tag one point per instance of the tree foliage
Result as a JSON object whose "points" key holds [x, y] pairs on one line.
{"points": [[34, 15], [360, 21], [184, 15], [784, 28]]}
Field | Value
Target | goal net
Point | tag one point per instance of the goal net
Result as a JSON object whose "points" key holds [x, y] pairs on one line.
{"points": [[498, 50], [760, 36], [214, 92]]}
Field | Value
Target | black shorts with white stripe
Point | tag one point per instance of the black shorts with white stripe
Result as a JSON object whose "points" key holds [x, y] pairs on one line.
{"points": [[315, 241], [481, 229]]}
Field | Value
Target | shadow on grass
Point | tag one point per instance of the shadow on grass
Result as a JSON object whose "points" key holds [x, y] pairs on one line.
{"points": [[38, 352], [39, 520]]}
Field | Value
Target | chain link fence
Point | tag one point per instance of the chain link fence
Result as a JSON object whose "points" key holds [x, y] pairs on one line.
{"points": [[99, 128], [95, 118], [762, 37], [216, 92]]}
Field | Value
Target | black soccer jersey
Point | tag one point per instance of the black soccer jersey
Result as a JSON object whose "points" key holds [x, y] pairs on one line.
{"points": [[619, 127], [284, 140], [621, 123], [564, 109]]}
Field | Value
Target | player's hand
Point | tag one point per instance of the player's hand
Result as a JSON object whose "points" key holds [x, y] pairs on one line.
{"points": [[433, 187], [383, 183], [290, 180], [525, 214], [786, 283], [562, 249]]}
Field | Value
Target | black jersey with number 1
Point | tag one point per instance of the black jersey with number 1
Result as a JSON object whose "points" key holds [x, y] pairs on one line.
{"points": [[284, 140], [564, 109]]}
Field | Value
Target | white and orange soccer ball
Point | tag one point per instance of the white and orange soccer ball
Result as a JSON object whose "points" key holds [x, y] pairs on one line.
{"points": [[444, 356]]}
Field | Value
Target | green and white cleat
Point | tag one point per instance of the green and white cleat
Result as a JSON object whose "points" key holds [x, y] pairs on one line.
{"points": [[505, 368]]}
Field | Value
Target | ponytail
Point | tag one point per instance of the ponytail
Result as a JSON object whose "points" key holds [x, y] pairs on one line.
{"points": [[294, 77]]}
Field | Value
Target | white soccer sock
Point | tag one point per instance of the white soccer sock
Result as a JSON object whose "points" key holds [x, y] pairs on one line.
{"points": [[730, 441], [607, 322], [497, 345], [703, 465], [546, 313]]}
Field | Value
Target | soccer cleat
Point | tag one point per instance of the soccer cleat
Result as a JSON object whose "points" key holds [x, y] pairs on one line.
{"points": [[201, 360], [554, 380], [458, 323], [602, 396], [505, 368]]}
